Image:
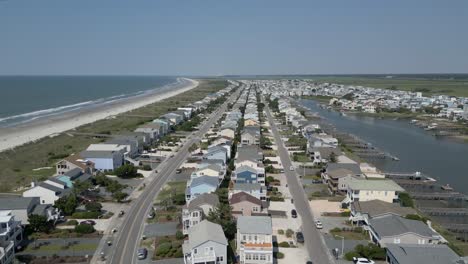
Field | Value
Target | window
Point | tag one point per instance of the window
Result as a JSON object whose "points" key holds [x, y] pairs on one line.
{"points": [[211, 248], [255, 257], [262, 257], [396, 241], [207, 250], [248, 257], [255, 208], [244, 237], [195, 251], [255, 238], [219, 259]]}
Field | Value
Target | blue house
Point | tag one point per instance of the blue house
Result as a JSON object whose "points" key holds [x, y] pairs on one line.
{"points": [[72, 176], [217, 152], [200, 185], [104, 160], [245, 174]]}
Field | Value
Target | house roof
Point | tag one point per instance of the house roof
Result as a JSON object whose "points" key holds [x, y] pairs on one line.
{"points": [[215, 167], [423, 254], [59, 192], [16, 203], [392, 225], [73, 173], [354, 167], [213, 181], [374, 185], [243, 196], [377, 207], [206, 231], [98, 154], [206, 198], [325, 151], [215, 149], [247, 187], [245, 168], [254, 225], [340, 173], [248, 152], [75, 159]]}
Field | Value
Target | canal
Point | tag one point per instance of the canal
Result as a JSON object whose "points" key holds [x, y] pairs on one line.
{"points": [[418, 150]]}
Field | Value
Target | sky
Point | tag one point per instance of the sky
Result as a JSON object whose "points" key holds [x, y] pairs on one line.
{"points": [[214, 37]]}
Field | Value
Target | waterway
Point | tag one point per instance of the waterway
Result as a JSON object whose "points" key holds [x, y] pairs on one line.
{"points": [[418, 150]]}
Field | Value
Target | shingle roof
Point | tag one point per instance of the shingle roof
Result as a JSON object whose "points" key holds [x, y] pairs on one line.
{"points": [[349, 166], [242, 196], [206, 198], [392, 225], [213, 181], [423, 254], [245, 168], [206, 231], [248, 152], [98, 154], [340, 173], [247, 187], [377, 207], [16, 203], [374, 185], [254, 225]]}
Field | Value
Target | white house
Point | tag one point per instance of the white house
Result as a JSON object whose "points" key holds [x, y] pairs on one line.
{"points": [[206, 244], [48, 191], [254, 239], [367, 190]]}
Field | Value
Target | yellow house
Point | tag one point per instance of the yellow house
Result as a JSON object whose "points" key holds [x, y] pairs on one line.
{"points": [[250, 122]]}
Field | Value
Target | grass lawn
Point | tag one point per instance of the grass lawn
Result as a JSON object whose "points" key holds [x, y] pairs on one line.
{"points": [[311, 177], [59, 247], [18, 164], [348, 235], [171, 188], [302, 157]]}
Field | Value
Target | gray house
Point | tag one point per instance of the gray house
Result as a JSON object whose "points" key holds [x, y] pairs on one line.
{"points": [[206, 244], [422, 254], [391, 229], [251, 135], [195, 211], [23, 207]]}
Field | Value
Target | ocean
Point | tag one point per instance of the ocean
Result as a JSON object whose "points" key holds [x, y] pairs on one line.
{"points": [[27, 98]]}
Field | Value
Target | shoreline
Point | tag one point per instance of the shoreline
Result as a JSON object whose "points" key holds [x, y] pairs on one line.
{"points": [[22, 134]]}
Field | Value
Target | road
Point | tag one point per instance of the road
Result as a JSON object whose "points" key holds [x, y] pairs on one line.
{"points": [[314, 242], [130, 232]]}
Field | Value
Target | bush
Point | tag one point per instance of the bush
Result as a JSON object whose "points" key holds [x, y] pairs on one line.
{"points": [[280, 232], [406, 200], [289, 233], [127, 171], [72, 222], [86, 215], [284, 244], [358, 229], [84, 229], [178, 253], [336, 230], [146, 167], [163, 249], [179, 235], [93, 207], [279, 255], [350, 255], [345, 213]]}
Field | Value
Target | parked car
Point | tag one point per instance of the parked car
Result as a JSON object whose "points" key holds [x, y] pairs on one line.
{"points": [[299, 237], [291, 168], [121, 213], [362, 261], [293, 213], [151, 215], [178, 171], [88, 222], [318, 224], [142, 253]]}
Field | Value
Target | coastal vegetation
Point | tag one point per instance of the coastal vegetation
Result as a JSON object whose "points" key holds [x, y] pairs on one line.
{"points": [[36, 160]]}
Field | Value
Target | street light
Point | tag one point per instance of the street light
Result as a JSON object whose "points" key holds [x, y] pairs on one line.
{"points": [[342, 245]]}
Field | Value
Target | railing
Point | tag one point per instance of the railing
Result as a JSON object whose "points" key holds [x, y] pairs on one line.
{"points": [[204, 258]]}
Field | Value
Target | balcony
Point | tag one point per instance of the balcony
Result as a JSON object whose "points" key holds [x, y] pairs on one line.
{"points": [[202, 258], [256, 247]]}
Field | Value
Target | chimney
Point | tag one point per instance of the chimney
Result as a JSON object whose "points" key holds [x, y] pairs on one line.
{"points": [[33, 184]]}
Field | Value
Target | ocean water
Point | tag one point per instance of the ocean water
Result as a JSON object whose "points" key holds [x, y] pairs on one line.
{"points": [[27, 98]]}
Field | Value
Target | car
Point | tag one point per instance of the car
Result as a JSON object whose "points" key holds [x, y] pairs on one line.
{"points": [[142, 253], [318, 224], [291, 168], [299, 237], [151, 215], [293, 213], [88, 222], [309, 262], [362, 261], [121, 213]]}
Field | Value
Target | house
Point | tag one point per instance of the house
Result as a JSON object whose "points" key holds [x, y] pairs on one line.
{"points": [[362, 212], [206, 244], [164, 126], [10, 228], [153, 130], [246, 174], [254, 239], [353, 167], [132, 145], [72, 162], [48, 191], [187, 111], [255, 189], [367, 190], [22, 207], [247, 205], [322, 154], [248, 155], [250, 135], [422, 254], [195, 211], [200, 185], [104, 160], [72, 176], [392, 229], [337, 180], [173, 118], [7, 252], [216, 152], [251, 122], [213, 170]]}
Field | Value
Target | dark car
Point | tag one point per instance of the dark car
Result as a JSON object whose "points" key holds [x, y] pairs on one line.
{"points": [[88, 222], [299, 237], [293, 213], [142, 253]]}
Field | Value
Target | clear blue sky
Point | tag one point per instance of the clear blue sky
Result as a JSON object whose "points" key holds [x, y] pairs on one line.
{"points": [[204, 37]]}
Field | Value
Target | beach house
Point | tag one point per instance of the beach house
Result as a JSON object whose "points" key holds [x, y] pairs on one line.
{"points": [[254, 239], [195, 211], [22, 207], [72, 162], [48, 191], [206, 244], [104, 160], [199, 186], [10, 228], [367, 190]]}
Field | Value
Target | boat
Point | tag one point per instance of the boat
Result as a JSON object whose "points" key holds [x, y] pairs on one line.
{"points": [[413, 121], [446, 187]]}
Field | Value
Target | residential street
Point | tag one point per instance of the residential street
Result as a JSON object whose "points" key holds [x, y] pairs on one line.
{"points": [[314, 241], [130, 232]]}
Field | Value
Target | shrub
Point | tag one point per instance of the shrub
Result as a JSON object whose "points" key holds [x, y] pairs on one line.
{"points": [[93, 207], [86, 215], [335, 230], [280, 232], [179, 235], [279, 255], [163, 249], [178, 253], [168, 217], [84, 229], [72, 222], [289, 233], [345, 213], [284, 244], [358, 229], [146, 167], [350, 255]]}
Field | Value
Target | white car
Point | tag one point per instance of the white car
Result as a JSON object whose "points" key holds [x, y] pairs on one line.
{"points": [[362, 261], [318, 224], [291, 168]]}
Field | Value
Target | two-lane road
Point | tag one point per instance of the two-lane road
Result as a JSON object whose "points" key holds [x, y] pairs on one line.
{"points": [[318, 251], [130, 232]]}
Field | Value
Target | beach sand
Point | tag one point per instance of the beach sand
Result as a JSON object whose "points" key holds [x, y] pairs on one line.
{"points": [[16, 136]]}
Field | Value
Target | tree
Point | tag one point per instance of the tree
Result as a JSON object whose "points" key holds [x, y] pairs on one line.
{"points": [[94, 207], [127, 171], [84, 229], [193, 147], [39, 223], [67, 204], [222, 215], [80, 186], [332, 157], [119, 196], [406, 200]]}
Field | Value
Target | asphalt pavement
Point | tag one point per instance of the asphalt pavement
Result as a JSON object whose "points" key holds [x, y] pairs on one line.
{"points": [[314, 241]]}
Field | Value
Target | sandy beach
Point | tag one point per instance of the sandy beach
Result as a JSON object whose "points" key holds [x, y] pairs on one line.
{"points": [[16, 136]]}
